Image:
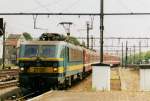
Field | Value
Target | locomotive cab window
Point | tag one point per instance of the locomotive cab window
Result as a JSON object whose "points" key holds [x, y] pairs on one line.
{"points": [[48, 51], [37, 50], [28, 50]]}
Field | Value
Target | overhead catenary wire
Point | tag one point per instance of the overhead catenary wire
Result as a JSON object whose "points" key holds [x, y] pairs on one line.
{"points": [[47, 5], [143, 4], [73, 4], [21, 27], [78, 14], [41, 5], [96, 14], [124, 38], [124, 5], [144, 46]]}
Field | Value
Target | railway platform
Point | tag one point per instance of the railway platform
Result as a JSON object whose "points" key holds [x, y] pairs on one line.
{"points": [[128, 79], [93, 96]]}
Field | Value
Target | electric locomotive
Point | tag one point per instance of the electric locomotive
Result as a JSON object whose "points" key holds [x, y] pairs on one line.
{"points": [[49, 63], [53, 64]]}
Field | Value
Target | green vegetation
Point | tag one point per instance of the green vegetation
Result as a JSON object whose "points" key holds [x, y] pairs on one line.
{"points": [[27, 36], [52, 37], [138, 58], [147, 55], [59, 37], [73, 40]]}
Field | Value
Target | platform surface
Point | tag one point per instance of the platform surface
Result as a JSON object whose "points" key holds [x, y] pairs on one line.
{"points": [[93, 96]]}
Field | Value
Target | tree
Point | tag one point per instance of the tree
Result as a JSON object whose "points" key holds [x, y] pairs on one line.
{"points": [[27, 36], [147, 55], [59, 37], [73, 40], [83, 44], [52, 37]]}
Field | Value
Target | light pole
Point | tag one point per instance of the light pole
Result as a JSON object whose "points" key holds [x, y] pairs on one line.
{"points": [[126, 57], [101, 29], [88, 28], [122, 56], [140, 52]]}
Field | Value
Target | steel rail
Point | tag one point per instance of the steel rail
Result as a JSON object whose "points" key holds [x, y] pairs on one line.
{"points": [[8, 84], [26, 96]]}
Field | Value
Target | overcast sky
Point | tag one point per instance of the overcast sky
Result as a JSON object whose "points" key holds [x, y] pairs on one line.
{"points": [[116, 26]]}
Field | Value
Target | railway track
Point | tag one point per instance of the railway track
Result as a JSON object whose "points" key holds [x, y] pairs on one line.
{"points": [[35, 95], [11, 72], [28, 96], [41, 96], [8, 84], [8, 74], [8, 78]]}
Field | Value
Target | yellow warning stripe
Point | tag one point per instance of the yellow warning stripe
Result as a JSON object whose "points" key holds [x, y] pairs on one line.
{"points": [[44, 59], [75, 67], [45, 70]]}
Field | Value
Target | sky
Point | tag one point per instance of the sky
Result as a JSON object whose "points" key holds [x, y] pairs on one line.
{"points": [[114, 26]]}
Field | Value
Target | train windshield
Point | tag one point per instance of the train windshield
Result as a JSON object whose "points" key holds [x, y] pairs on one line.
{"points": [[38, 50], [28, 50], [48, 51]]}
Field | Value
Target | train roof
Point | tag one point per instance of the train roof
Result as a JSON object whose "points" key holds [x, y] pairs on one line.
{"points": [[51, 43], [43, 43]]}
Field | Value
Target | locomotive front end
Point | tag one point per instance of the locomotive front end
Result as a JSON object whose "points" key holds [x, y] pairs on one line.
{"points": [[41, 65]]}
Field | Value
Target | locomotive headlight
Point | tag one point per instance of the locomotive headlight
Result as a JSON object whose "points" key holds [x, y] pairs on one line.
{"points": [[22, 69], [55, 69]]}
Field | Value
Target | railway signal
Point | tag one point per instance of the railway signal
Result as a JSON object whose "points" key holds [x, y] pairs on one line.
{"points": [[2, 32], [1, 27]]}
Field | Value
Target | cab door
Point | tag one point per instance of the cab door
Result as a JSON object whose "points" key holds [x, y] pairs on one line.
{"points": [[64, 55], [65, 59]]}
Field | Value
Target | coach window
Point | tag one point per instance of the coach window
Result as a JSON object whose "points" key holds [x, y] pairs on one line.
{"points": [[75, 55]]}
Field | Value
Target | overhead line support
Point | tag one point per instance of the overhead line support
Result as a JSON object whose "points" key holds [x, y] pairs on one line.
{"points": [[80, 14], [101, 29], [83, 14], [117, 38]]}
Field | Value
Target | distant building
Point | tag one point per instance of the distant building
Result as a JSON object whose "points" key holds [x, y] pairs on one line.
{"points": [[12, 43]]}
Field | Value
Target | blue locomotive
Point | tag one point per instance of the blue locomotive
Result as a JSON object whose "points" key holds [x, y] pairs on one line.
{"points": [[46, 64]]}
